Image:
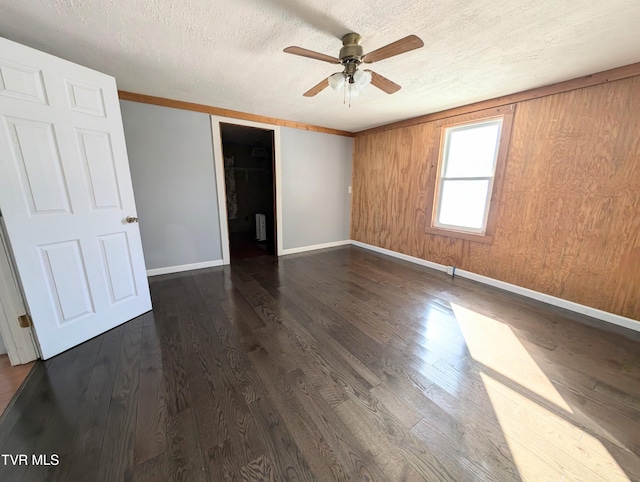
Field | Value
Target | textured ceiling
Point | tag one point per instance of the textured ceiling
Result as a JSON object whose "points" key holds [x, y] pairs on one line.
{"points": [[228, 53]]}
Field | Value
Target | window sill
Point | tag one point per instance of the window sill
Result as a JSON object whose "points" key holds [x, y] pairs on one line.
{"points": [[450, 233]]}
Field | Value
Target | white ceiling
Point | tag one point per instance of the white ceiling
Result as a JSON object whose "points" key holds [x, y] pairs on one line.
{"points": [[228, 53]]}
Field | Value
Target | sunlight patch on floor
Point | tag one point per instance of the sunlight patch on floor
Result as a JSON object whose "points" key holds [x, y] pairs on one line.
{"points": [[545, 446], [494, 344]]}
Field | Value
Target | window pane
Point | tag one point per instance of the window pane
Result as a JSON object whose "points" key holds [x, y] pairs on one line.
{"points": [[471, 150], [463, 203]]}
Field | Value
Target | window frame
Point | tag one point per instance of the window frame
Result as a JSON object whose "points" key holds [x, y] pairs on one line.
{"points": [[505, 114]]}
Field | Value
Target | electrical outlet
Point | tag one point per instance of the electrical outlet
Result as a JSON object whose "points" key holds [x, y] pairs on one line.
{"points": [[349, 189], [450, 270]]}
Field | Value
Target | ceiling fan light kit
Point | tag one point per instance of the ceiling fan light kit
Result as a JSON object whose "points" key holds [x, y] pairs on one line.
{"points": [[352, 79], [352, 85], [337, 80]]}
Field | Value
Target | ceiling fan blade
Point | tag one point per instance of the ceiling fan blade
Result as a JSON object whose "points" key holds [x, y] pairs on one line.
{"points": [[383, 83], [311, 54], [317, 88], [398, 47]]}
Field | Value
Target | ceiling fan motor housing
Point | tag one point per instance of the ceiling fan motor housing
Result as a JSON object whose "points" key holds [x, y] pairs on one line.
{"points": [[351, 51]]}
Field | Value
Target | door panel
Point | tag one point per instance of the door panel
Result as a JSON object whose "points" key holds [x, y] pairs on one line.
{"points": [[65, 271], [21, 82], [65, 191], [36, 157], [116, 257], [96, 152], [85, 98]]}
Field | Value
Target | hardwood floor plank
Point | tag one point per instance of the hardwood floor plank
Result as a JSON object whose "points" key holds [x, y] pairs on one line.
{"points": [[220, 462], [184, 457], [150, 439], [288, 461], [389, 457], [617, 395], [235, 331], [484, 455], [294, 340], [406, 415], [236, 431], [151, 470], [362, 346], [561, 435], [462, 420], [205, 386], [116, 458], [82, 459], [169, 296], [258, 470], [418, 455], [321, 458], [328, 342], [354, 457], [233, 345], [60, 430]]}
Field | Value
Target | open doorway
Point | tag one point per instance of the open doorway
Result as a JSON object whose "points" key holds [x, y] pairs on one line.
{"points": [[249, 179], [17, 348]]}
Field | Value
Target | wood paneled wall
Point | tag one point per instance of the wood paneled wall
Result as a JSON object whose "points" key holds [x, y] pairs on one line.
{"points": [[569, 216]]}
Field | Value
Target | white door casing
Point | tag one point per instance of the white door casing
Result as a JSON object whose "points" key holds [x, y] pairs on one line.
{"points": [[221, 189], [21, 347], [65, 191]]}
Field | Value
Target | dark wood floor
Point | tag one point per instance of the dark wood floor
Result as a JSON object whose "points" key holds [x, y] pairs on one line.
{"points": [[244, 245], [334, 365]]}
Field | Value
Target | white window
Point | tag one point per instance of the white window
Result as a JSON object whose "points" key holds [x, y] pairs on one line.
{"points": [[466, 174]]}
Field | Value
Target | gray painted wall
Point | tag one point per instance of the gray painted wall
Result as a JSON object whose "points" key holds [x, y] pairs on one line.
{"points": [[171, 158], [316, 175]]}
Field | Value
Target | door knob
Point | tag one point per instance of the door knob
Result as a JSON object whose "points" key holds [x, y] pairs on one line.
{"points": [[131, 219]]}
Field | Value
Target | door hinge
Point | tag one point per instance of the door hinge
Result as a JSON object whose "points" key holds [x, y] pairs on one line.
{"points": [[25, 321]]}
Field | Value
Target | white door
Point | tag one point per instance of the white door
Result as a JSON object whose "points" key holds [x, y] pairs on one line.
{"points": [[65, 194]]}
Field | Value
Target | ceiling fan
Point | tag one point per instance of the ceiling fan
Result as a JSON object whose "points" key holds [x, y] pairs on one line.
{"points": [[351, 56]]}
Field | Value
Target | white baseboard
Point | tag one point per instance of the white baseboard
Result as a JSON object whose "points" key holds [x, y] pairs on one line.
{"points": [[183, 267], [536, 295], [405, 257], [302, 249]]}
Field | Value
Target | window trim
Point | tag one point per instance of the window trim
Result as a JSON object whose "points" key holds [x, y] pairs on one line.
{"points": [[435, 181]]}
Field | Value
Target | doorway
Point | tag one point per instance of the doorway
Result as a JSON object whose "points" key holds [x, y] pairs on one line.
{"points": [[249, 168], [18, 344]]}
